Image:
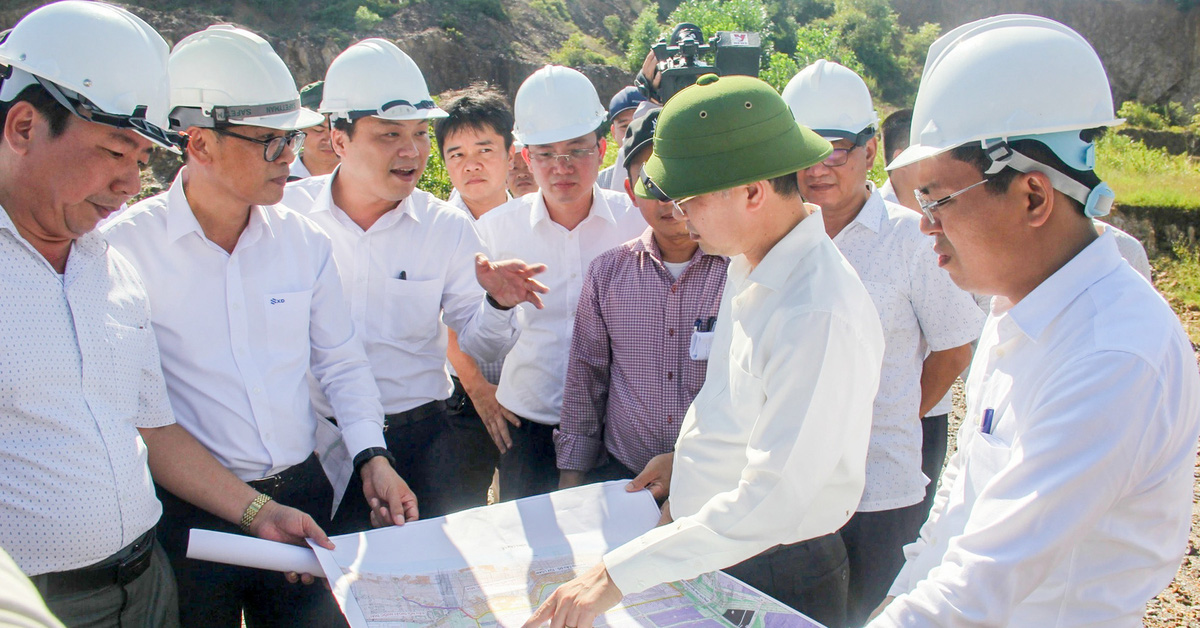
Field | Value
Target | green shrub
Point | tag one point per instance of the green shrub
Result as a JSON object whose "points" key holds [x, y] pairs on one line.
{"points": [[580, 50], [435, 180], [366, 19], [553, 9], [642, 34], [780, 69]]}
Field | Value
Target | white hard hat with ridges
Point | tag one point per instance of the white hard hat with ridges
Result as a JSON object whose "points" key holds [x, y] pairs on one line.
{"points": [[374, 77], [556, 104]]}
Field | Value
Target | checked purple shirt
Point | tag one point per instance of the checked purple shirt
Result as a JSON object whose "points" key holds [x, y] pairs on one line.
{"points": [[630, 378]]}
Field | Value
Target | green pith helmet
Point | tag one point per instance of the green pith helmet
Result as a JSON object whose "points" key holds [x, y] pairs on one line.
{"points": [[310, 95], [724, 132]]}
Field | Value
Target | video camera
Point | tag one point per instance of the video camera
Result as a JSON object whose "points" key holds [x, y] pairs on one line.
{"points": [[681, 58]]}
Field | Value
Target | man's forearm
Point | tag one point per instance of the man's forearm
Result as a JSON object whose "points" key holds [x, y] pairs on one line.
{"points": [[938, 373], [465, 367], [183, 466]]}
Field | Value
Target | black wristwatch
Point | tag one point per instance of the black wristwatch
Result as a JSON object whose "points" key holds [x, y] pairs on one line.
{"points": [[496, 304], [370, 452]]}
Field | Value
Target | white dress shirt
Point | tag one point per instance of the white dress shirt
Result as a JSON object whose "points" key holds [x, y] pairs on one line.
{"points": [[613, 177], [298, 169], [405, 279], [1075, 509], [920, 307], [535, 370], [772, 449], [239, 331], [886, 191], [490, 370], [79, 374], [1130, 248]]}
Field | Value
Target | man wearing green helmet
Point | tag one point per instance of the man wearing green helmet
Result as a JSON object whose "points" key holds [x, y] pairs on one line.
{"points": [[771, 455]]}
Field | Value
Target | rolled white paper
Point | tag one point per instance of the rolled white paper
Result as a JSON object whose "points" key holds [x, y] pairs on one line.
{"points": [[247, 551]]}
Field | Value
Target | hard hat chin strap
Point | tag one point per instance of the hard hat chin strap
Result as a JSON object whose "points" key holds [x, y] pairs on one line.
{"points": [[1096, 201]]}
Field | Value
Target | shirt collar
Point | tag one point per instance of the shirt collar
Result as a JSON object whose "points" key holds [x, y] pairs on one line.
{"points": [[181, 221], [785, 257], [90, 244], [871, 214], [324, 203], [1034, 313], [645, 244], [599, 208]]}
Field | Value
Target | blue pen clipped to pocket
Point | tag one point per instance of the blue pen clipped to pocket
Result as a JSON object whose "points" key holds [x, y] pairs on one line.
{"points": [[985, 425]]}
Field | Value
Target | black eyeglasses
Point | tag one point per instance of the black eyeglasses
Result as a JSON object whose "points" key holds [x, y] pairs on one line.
{"points": [[272, 147]]}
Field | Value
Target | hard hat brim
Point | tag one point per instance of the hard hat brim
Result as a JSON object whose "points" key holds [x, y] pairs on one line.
{"points": [[559, 135], [913, 154], [291, 121], [682, 177]]}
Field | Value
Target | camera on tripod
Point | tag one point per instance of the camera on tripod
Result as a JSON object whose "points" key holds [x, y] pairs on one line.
{"points": [[681, 58]]}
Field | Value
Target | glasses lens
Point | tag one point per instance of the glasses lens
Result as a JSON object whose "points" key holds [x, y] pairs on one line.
{"points": [[677, 211], [274, 148], [838, 157], [927, 205]]}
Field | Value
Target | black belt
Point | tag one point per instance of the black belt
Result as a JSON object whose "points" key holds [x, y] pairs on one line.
{"points": [[273, 484], [419, 413], [121, 568]]}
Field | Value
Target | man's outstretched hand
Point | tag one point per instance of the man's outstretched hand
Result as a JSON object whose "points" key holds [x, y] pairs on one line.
{"points": [[579, 602], [510, 282]]}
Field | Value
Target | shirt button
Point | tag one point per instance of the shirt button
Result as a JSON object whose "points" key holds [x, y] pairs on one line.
{"points": [[573, 275], [670, 375], [669, 418], [236, 307], [257, 389], [670, 332], [674, 288]]}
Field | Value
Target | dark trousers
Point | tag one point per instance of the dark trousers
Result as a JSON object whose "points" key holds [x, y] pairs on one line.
{"points": [[809, 576], [148, 601], [475, 455], [933, 453], [423, 459], [529, 467], [609, 471], [875, 546], [215, 595]]}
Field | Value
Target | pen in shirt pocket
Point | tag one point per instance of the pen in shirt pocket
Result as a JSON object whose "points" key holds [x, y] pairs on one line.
{"points": [[985, 425], [402, 275]]}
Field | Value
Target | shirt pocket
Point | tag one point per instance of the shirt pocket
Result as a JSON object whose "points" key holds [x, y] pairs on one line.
{"points": [[413, 310], [746, 390], [288, 318], [129, 348], [987, 455]]}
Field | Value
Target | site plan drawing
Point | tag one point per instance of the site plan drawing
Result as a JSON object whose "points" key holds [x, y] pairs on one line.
{"points": [[493, 566]]}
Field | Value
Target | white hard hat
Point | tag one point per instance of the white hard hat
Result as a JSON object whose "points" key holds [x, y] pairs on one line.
{"points": [[376, 78], [101, 62], [1014, 77], [833, 101], [228, 75], [556, 104]]}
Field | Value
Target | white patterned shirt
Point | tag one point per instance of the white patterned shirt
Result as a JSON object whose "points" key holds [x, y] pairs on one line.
{"points": [[240, 330], [920, 307], [535, 370], [79, 373]]}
